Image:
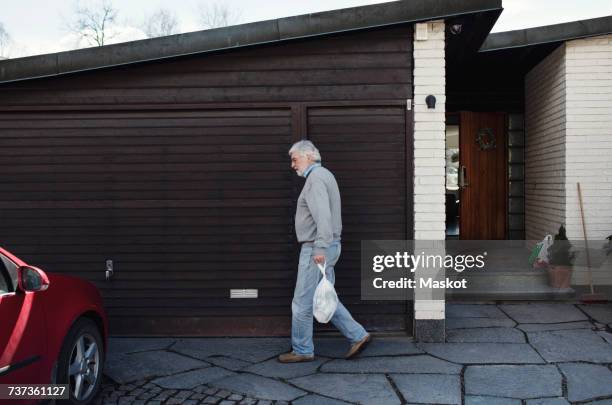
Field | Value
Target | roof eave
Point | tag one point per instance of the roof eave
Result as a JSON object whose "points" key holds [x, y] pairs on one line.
{"points": [[257, 33], [548, 34]]}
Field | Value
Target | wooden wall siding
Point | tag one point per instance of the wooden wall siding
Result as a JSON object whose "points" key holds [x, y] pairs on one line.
{"points": [[178, 171], [368, 65], [365, 147]]}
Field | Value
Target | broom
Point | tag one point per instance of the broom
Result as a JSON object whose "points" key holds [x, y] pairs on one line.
{"points": [[593, 296]]}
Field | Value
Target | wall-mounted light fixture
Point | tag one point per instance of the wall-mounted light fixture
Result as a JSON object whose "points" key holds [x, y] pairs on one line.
{"points": [[456, 29], [455, 26], [430, 101]]}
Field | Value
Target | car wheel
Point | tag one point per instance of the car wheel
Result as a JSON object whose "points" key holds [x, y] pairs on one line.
{"points": [[81, 362]]}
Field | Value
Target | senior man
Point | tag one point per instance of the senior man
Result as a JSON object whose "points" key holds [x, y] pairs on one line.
{"points": [[318, 226]]}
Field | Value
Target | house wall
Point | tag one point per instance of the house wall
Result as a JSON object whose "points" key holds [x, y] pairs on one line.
{"points": [[545, 131], [366, 65], [588, 150], [429, 168], [429, 142], [568, 116], [177, 170], [589, 135]]}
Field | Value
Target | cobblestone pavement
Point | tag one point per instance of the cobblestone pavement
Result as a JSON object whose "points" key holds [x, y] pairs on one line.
{"points": [[515, 354], [143, 392]]}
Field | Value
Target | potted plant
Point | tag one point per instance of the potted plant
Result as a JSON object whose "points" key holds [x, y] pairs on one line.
{"points": [[560, 261]]}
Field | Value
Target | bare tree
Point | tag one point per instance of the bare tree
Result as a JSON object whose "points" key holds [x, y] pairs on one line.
{"points": [[161, 23], [5, 42], [215, 15], [94, 21]]}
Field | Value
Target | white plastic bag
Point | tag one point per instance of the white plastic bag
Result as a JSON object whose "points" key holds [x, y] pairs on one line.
{"points": [[539, 256], [325, 299]]}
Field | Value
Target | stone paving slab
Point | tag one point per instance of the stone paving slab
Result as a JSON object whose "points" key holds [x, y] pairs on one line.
{"points": [[602, 313], [192, 379], [541, 327], [259, 387], [228, 362], [360, 388], [407, 364], [571, 345], [429, 388], [543, 313], [383, 346], [473, 311], [548, 401], [607, 336], [587, 381], [133, 345], [484, 353], [484, 400], [513, 381], [458, 323], [272, 368], [314, 399], [485, 335], [601, 402], [252, 350], [139, 366]]}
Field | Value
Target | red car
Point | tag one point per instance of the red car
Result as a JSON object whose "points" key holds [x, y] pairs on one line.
{"points": [[53, 329]]}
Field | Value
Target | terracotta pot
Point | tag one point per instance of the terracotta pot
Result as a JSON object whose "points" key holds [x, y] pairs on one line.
{"points": [[560, 276]]}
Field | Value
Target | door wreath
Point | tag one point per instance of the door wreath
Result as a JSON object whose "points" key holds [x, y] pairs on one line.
{"points": [[485, 138]]}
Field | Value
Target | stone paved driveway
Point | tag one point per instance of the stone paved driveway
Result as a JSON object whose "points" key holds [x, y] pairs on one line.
{"points": [[523, 354]]}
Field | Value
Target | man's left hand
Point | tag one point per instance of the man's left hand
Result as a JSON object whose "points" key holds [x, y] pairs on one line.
{"points": [[320, 259]]}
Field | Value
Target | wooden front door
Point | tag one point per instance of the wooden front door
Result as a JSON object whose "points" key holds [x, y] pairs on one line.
{"points": [[483, 178]]}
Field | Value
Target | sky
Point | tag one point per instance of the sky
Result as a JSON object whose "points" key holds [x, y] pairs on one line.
{"points": [[39, 26]]}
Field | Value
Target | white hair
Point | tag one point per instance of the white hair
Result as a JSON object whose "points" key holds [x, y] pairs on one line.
{"points": [[306, 148]]}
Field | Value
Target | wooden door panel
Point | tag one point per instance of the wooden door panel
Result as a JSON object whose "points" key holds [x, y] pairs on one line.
{"points": [[366, 149], [483, 158]]}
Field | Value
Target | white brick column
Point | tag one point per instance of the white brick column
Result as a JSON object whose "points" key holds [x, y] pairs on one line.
{"points": [[429, 169]]}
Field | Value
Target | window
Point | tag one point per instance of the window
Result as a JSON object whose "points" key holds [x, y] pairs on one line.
{"points": [[452, 179], [8, 275]]}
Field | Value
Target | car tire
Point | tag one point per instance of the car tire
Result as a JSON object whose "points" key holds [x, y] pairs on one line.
{"points": [[81, 362]]}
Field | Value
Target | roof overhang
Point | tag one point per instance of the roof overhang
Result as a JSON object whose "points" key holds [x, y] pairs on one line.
{"points": [[264, 32], [548, 34]]}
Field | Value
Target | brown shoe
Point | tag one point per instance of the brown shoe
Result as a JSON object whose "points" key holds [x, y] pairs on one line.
{"points": [[292, 357], [358, 347]]}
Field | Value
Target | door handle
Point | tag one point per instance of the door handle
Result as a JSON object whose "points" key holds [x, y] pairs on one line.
{"points": [[110, 272], [463, 180]]}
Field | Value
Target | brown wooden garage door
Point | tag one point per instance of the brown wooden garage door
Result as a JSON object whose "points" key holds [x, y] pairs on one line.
{"points": [[365, 147], [189, 204]]}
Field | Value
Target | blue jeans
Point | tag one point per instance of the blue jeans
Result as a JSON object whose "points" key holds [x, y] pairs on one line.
{"points": [[308, 278]]}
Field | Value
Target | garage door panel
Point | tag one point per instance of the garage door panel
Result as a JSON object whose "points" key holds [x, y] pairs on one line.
{"points": [[216, 194], [115, 180], [365, 148], [177, 199], [139, 136], [193, 156], [273, 150]]}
